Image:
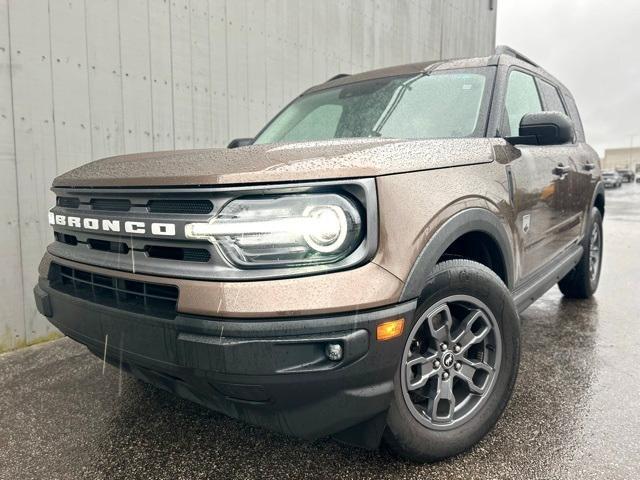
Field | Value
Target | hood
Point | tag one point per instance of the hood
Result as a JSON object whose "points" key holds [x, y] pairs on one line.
{"points": [[284, 162]]}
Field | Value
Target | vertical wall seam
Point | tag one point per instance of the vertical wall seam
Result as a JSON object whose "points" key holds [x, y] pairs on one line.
{"points": [[226, 56], [442, 6], [193, 109], [247, 39], [493, 23], [209, 82], [15, 159], [153, 130], [53, 95], [124, 127], [173, 110], [86, 50], [266, 67]]}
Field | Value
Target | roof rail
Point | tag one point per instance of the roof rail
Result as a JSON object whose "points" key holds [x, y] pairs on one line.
{"points": [[504, 50], [339, 75]]}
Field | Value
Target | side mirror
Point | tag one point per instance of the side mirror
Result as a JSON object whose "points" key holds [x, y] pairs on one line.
{"points": [[544, 128], [240, 142]]}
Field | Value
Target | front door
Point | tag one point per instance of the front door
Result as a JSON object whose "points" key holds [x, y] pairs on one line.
{"points": [[541, 178]]}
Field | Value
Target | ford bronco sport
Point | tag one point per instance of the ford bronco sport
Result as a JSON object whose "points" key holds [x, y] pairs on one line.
{"points": [[356, 270]]}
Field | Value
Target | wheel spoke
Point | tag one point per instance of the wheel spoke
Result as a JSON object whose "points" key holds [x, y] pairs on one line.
{"points": [[594, 252], [473, 329], [440, 324], [444, 402], [425, 370], [476, 374]]}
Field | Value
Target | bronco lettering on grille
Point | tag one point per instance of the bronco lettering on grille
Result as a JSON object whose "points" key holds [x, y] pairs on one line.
{"points": [[113, 225]]}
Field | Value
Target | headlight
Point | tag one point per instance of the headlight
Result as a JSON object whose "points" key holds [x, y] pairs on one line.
{"points": [[287, 230]]}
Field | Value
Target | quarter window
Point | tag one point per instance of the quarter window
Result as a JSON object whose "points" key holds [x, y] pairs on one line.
{"points": [[522, 98], [551, 97]]}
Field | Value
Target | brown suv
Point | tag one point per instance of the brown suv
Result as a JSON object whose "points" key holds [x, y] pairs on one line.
{"points": [[356, 269]]}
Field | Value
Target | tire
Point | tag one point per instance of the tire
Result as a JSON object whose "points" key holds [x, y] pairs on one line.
{"points": [[581, 282], [461, 285]]}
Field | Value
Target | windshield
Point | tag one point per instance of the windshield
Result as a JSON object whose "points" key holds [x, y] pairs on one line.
{"points": [[440, 105]]}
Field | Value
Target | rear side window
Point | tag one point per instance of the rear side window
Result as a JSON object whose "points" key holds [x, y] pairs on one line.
{"points": [[551, 97], [522, 98]]}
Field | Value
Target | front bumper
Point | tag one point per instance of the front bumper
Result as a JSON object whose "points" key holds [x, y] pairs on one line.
{"points": [[271, 372]]}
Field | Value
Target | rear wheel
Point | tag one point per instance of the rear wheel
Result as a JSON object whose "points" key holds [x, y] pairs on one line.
{"points": [[458, 366], [582, 281]]}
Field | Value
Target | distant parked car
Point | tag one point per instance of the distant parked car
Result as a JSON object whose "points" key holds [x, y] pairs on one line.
{"points": [[627, 175], [611, 179]]}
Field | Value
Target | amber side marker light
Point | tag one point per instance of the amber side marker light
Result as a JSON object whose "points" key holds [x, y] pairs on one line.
{"points": [[389, 330]]}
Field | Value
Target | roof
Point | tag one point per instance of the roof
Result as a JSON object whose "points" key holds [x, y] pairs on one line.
{"points": [[503, 55]]}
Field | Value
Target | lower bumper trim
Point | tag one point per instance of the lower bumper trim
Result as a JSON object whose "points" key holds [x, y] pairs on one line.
{"points": [[269, 372]]}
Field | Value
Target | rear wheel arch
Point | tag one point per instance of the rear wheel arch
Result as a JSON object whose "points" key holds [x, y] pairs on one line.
{"points": [[467, 226], [598, 198]]}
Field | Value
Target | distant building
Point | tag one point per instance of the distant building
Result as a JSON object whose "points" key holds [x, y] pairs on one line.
{"points": [[622, 158]]}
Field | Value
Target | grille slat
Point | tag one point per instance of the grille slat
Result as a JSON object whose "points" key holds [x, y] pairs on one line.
{"points": [[68, 202], [110, 204], [115, 292], [193, 207], [187, 206], [177, 253], [108, 246], [64, 238]]}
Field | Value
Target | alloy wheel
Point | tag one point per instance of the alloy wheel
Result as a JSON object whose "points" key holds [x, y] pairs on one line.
{"points": [[595, 251], [451, 362]]}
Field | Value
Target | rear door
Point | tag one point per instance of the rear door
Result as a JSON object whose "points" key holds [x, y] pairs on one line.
{"points": [[540, 178]]}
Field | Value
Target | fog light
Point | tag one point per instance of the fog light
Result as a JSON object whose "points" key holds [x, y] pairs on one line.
{"points": [[333, 351]]}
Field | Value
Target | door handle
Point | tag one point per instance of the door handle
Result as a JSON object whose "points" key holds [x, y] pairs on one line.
{"points": [[589, 166], [561, 170]]}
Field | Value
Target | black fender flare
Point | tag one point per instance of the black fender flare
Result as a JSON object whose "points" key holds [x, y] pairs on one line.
{"points": [[471, 220]]}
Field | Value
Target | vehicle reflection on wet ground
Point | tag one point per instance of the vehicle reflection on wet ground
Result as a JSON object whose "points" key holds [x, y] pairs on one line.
{"points": [[574, 413]]}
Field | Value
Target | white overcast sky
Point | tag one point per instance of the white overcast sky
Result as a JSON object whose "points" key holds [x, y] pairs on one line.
{"points": [[593, 47]]}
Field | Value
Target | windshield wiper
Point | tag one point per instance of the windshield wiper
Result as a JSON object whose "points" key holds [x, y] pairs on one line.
{"points": [[397, 96]]}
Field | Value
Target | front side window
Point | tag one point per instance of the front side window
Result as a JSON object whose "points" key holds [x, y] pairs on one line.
{"points": [[522, 98], [444, 104]]}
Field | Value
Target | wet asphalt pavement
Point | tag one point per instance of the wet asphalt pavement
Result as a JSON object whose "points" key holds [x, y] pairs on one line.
{"points": [[574, 414]]}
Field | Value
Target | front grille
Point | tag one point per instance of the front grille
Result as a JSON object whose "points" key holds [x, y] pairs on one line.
{"points": [[108, 216], [189, 207], [65, 238], [107, 246], [183, 254], [129, 295], [193, 207], [68, 202], [177, 253], [111, 204]]}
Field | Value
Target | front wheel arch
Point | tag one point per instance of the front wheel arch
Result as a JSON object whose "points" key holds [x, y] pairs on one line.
{"points": [[460, 224]]}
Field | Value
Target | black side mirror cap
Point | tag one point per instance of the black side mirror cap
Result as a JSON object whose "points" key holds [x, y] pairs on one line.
{"points": [[240, 142], [544, 128]]}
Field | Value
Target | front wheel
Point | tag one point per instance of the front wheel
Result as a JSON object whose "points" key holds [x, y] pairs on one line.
{"points": [[459, 364]]}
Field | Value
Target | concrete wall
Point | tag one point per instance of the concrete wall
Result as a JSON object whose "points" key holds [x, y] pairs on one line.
{"points": [[84, 79]]}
